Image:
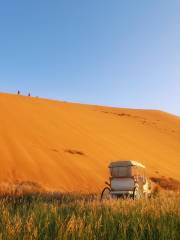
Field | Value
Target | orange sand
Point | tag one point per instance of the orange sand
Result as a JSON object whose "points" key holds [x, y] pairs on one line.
{"points": [[67, 147]]}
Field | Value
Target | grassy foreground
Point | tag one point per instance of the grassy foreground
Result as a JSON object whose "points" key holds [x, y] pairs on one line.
{"points": [[76, 217]]}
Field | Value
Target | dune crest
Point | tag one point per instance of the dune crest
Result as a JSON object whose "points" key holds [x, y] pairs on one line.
{"points": [[67, 147]]}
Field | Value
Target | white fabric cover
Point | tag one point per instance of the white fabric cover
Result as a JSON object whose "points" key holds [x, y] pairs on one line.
{"points": [[120, 184], [120, 171], [126, 163]]}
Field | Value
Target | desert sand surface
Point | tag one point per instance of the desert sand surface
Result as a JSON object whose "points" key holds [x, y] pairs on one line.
{"points": [[67, 147]]}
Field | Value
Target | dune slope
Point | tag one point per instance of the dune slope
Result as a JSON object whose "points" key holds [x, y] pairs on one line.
{"points": [[67, 147]]}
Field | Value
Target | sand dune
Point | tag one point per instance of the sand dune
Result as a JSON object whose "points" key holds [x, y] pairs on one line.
{"points": [[67, 147]]}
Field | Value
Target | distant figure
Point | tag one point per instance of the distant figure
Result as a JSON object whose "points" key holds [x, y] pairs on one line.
{"points": [[29, 94], [18, 92]]}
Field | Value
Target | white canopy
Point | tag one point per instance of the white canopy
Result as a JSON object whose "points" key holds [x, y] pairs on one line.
{"points": [[125, 163]]}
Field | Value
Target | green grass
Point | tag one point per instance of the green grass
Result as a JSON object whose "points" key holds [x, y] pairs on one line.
{"points": [[80, 217]]}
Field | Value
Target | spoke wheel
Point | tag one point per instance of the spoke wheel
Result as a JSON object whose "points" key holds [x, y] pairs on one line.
{"points": [[106, 194]]}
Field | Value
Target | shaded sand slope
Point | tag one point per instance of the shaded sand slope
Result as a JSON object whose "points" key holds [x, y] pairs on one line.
{"points": [[67, 147]]}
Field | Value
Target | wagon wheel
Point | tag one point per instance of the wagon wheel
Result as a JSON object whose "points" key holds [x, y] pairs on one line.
{"points": [[137, 194], [106, 194]]}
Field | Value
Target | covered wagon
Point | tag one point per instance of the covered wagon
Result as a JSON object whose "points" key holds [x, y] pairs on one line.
{"points": [[127, 179]]}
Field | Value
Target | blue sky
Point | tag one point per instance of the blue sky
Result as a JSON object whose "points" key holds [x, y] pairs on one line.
{"points": [[120, 53]]}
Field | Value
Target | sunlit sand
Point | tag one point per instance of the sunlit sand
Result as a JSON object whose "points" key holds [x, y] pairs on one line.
{"points": [[67, 147]]}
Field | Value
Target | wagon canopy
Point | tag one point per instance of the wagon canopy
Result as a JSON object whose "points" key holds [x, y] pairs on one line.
{"points": [[124, 168], [126, 163]]}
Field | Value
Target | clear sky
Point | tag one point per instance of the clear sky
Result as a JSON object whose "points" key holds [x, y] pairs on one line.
{"points": [[122, 53]]}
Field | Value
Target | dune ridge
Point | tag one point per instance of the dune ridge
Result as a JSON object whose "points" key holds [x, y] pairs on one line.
{"points": [[67, 147]]}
